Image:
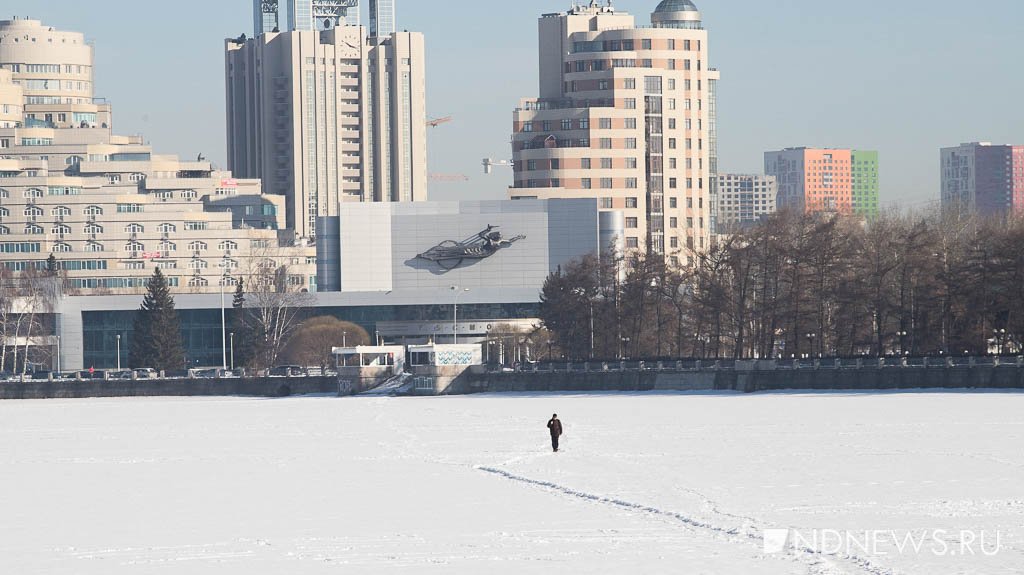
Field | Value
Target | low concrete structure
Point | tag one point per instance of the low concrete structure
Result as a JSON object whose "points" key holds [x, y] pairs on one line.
{"points": [[365, 367], [443, 369]]}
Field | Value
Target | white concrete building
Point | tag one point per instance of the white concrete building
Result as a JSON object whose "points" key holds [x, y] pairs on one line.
{"points": [[744, 199], [105, 206], [325, 117], [625, 115]]}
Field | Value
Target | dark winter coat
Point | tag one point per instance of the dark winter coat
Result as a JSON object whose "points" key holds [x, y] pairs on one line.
{"points": [[555, 427]]}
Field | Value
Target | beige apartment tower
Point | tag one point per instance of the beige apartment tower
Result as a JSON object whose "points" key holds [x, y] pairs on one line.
{"points": [[626, 116], [330, 116]]}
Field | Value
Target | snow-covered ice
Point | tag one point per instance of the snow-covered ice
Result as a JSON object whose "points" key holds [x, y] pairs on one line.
{"points": [[647, 483]]}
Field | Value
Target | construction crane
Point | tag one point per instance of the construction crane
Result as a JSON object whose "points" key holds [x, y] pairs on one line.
{"points": [[448, 178], [489, 164], [438, 121]]}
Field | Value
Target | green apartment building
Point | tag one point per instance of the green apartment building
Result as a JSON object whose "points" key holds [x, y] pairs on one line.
{"points": [[864, 180]]}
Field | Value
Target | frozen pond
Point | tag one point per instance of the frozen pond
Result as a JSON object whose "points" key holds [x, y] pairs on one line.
{"points": [[647, 483]]}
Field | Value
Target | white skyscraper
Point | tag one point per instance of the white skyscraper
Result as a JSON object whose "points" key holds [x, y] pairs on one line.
{"points": [[325, 117], [382, 18]]}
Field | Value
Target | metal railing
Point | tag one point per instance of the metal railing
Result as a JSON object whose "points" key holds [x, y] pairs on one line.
{"points": [[698, 365]]}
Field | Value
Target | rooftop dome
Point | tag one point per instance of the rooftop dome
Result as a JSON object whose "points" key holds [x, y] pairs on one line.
{"points": [[676, 14], [676, 6]]}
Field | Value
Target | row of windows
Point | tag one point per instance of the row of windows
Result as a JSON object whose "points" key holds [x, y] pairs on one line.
{"points": [[115, 283], [62, 265], [629, 45]]}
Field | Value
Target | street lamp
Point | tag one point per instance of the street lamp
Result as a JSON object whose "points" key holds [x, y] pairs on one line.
{"points": [[232, 351], [625, 348], [903, 347], [118, 352], [223, 319], [455, 313], [1001, 340], [810, 343]]}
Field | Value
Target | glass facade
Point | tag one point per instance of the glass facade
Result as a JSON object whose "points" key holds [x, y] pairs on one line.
{"points": [[201, 329]]}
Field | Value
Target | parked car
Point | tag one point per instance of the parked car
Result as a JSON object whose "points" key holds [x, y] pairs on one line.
{"points": [[287, 371], [146, 373], [120, 375], [94, 374], [178, 373]]}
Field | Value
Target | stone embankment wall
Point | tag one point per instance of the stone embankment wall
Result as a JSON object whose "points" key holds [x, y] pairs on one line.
{"points": [[257, 387], [859, 379]]}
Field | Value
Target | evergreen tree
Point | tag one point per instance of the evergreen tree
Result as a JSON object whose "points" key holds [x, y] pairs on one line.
{"points": [[51, 265], [156, 341], [241, 326]]}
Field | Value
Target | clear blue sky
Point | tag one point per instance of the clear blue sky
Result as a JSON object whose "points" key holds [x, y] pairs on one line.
{"points": [[904, 77]]}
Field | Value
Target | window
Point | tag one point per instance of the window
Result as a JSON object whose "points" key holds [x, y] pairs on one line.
{"points": [[197, 246], [61, 248], [227, 245], [198, 282], [606, 183], [61, 211], [33, 193], [166, 246], [631, 183], [632, 243], [630, 143], [33, 212], [167, 265], [134, 228], [630, 123], [134, 246], [673, 222], [673, 242], [606, 203], [136, 178], [631, 163], [195, 226], [671, 143], [631, 223], [631, 202], [93, 247], [584, 124], [566, 124], [630, 84], [605, 123], [188, 194], [645, 44], [606, 163], [94, 211], [585, 183], [167, 228], [93, 228], [585, 163], [673, 202], [114, 178], [527, 126], [630, 103], [198, 264], [5, 231], [34, 230], [229, 264], [606, 143], [129, 208], [673, 183]]}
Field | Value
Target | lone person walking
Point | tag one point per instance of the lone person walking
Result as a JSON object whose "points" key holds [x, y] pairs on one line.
{"points": [[555, 427]]}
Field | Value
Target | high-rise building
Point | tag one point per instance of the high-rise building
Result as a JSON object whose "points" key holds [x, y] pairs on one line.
{"points": [[107, 208], [864, 182], [813, 180], [382, 18], [625, 115], [983, 179], [54, 70], [288, 15], [324, 117], [744, 199]]}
